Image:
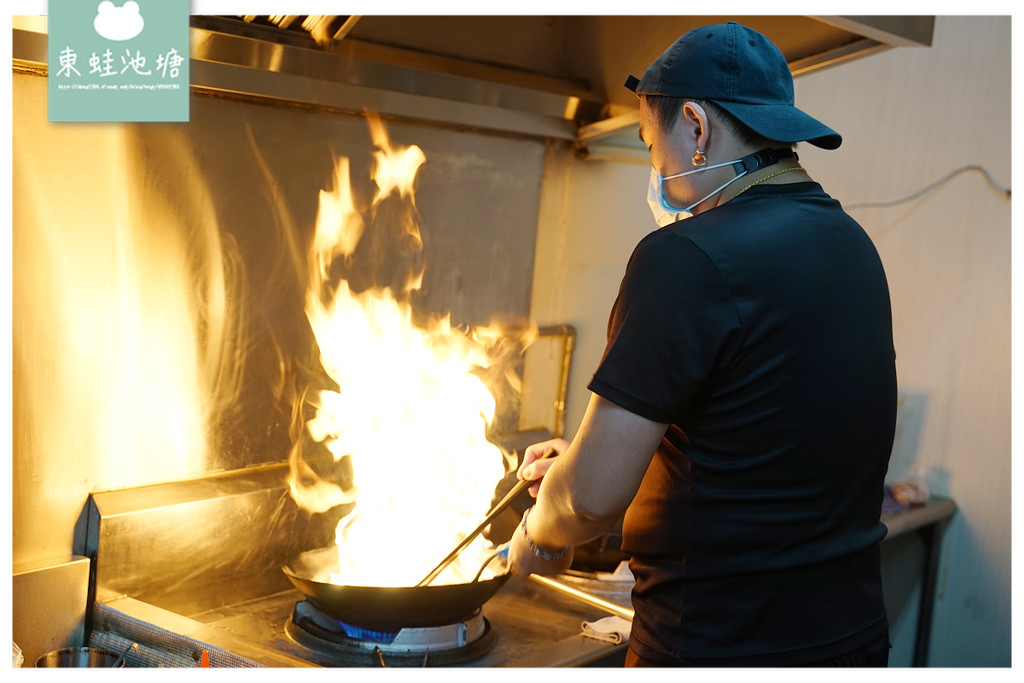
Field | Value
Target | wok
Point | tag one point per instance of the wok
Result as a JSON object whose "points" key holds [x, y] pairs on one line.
{"points": [[384, 608]]}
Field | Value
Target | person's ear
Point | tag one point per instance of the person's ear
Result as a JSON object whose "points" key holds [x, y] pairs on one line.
{"points": [[696, 125]]}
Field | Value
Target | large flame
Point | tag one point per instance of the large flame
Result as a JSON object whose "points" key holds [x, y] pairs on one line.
{"points": [[410, 411]]}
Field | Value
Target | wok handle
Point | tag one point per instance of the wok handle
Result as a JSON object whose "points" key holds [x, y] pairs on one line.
{"points": [[514, 493]]}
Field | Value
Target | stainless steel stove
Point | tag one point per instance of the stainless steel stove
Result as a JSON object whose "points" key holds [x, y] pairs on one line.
{"points": [[176, 569]]}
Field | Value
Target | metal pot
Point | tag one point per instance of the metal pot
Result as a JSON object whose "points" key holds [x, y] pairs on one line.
{"points": [[382, 608], [80, 657]]}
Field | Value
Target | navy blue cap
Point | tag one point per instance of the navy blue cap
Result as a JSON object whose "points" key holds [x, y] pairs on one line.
{"points": [[741, 71]]}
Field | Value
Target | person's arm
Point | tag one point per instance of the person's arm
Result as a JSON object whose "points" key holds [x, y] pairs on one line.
{"points": [[587, 488]]}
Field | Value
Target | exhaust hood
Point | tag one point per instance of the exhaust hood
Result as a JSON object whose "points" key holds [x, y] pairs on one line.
{"points": [[541, 76]]}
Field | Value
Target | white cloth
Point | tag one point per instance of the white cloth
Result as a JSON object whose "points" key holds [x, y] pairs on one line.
{"points": [[613, 630]]}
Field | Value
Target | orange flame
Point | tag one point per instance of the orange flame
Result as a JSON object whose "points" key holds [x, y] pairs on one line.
{"points": [[411, 410]]}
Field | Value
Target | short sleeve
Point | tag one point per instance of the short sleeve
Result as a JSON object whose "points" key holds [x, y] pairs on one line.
{"points": [[671, 319]]}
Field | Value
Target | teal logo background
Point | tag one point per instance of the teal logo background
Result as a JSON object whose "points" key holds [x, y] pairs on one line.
{"points": [[118, 60]]}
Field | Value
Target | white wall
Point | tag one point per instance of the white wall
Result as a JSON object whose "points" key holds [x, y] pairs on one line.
{"points": [[908, 116], [591, 217]]}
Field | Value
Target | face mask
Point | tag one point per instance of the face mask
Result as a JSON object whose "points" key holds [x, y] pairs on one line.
{"points": [[656, 200], [666, 214]]}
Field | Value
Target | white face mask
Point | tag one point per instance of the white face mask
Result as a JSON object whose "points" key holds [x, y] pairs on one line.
{"points": [[666, 214]]}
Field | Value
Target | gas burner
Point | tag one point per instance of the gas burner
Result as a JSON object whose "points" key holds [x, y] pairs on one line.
{"points": [[335, 643]]}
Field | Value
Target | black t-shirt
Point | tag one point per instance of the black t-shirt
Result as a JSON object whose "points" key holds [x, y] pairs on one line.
{"points": [[761, 332]]}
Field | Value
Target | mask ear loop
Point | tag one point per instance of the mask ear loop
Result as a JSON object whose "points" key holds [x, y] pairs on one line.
{"points": [[711, 194], [745, 166]]}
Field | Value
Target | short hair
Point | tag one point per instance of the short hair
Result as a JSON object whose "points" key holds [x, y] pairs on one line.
{"points": [[666, 110]]}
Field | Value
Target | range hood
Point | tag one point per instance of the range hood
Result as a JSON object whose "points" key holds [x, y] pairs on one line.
{"points": [[544, 76]]}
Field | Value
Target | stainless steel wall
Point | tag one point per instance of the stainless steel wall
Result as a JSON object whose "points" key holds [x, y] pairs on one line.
{"points": [[158, 284]]}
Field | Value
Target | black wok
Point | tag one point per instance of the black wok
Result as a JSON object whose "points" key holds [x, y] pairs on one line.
{"points": [[380, 608]]}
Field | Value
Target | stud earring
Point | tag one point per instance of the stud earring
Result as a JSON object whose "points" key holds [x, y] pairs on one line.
{"points": [[699, 159]]}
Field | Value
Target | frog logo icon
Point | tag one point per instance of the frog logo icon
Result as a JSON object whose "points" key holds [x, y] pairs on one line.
{"points": [[118, 23]]}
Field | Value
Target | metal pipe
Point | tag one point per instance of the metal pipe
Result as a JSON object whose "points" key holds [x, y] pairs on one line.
{"points": [[568, 332], [610, 607]]}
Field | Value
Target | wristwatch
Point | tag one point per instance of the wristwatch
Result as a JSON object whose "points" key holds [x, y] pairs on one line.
{"points": [[536, 549]]}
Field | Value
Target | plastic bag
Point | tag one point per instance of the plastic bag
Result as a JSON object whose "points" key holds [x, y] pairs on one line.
{"points": [[913, 490]]}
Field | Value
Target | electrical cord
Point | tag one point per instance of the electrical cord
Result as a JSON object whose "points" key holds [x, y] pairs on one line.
{"points": [[988, 177]]}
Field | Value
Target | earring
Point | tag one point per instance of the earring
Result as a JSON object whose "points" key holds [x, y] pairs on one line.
{"points": [[699, 159]]}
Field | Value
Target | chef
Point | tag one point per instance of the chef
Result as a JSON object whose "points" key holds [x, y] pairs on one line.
{"points": [[743, 412]]}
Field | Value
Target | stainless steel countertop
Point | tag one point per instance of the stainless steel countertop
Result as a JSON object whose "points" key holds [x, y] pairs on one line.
{"points": [[533, 626]]}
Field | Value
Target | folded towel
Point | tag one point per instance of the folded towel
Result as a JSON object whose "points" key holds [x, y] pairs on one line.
{"points": [[612, 630]]}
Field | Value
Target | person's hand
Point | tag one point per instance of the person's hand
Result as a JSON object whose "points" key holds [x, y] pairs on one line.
{"points": [[531, 470], [525, 558]]}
